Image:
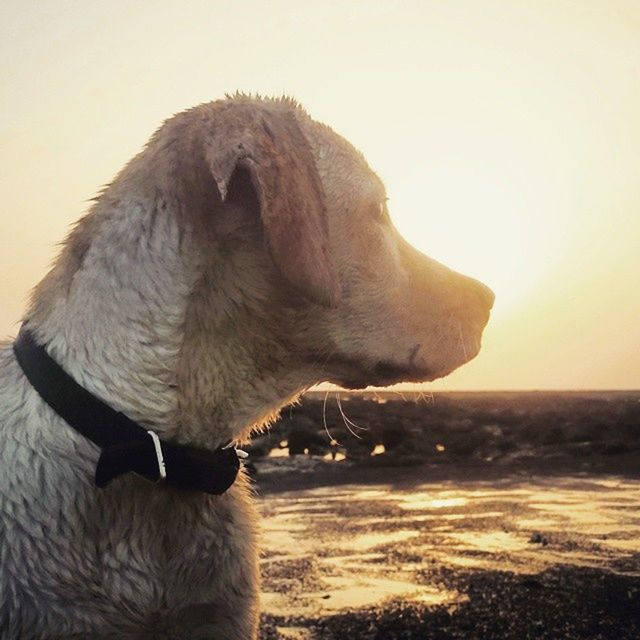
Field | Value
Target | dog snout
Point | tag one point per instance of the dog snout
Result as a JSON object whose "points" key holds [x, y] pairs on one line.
{"points": [[461, 293]]}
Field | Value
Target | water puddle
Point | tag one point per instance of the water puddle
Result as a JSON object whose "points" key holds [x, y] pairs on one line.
{"points": [[342, 593], [489, 541], [355, 546], [457, 516], [355, 561], [345, 593], [370, 540], [294, 633], [421, 502]]}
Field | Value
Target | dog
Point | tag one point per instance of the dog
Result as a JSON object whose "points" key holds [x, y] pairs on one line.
{"points": [[243, 256]]}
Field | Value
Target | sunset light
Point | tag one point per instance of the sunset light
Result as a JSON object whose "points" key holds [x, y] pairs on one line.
{"points": [[320, 320], [507, 136]]}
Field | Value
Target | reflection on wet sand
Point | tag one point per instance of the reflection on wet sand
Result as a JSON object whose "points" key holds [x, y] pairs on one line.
{"points": [[330, 549]]}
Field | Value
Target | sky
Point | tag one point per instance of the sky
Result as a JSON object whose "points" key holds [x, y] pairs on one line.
{"points": [[507, 134]]}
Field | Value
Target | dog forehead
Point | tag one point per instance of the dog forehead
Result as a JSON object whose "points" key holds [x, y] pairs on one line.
{"points": [[343, 170]]}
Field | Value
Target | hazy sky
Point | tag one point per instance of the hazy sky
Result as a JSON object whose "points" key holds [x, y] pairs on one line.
{"points": [[507, 133]]}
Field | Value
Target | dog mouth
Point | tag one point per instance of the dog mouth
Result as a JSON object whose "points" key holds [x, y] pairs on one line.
{"points": [[384, 374], [390, 372], [418, 365]]}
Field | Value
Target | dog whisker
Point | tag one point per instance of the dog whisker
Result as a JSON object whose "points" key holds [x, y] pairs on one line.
{"points": [[348, 422], [351, 422], [324, 419]]}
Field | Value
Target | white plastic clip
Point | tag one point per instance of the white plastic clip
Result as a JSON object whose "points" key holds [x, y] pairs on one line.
{"points": [[162, 469], [243, 455]]}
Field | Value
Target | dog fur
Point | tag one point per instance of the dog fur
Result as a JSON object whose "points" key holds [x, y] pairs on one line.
{"points": [[243, 256]]}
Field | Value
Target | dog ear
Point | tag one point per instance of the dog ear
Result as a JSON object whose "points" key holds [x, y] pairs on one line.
{"points": [[270, 146]]}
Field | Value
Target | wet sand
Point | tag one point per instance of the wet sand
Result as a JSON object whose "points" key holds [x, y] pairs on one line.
{"points": [[468, 546], [508, 558]]}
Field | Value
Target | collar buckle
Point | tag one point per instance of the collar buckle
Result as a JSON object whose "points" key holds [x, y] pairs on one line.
{"points": [[162, 468]]}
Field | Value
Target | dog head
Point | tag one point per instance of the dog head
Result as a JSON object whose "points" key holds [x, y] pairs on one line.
{"points": [[243, 256], [348, 295]]}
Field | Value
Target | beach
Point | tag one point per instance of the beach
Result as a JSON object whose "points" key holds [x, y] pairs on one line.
{"points": [[545, 544]]}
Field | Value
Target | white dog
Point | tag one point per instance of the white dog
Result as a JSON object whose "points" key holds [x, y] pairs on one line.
{"points": [[243, 256]]}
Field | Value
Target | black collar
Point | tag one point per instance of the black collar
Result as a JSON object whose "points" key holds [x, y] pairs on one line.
{"points": [[126, 446]]}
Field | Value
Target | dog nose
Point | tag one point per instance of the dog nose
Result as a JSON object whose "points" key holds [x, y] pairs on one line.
{"points": [[486, 295], [477, 295]]}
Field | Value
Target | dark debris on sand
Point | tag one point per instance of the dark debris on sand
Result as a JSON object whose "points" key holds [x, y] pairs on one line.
{"points": [[595, 432]]}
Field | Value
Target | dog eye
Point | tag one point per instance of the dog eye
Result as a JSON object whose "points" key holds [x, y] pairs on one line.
{"points": [[379, 212]]}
